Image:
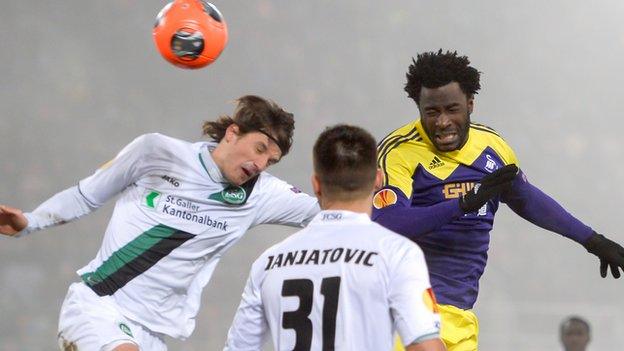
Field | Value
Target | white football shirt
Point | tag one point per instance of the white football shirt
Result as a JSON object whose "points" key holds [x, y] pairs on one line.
{"points": [[175, 217], [342, 283]]}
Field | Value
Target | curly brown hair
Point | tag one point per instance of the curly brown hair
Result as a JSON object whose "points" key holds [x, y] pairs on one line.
{"points": [[256, 114]]}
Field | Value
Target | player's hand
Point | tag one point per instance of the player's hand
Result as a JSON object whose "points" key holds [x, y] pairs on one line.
{"points": [[610, 253], [12, 220], [490, 186]]}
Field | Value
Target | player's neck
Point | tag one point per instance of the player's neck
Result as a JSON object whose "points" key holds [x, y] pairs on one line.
{"points": [[218, 157], [358, 206]]}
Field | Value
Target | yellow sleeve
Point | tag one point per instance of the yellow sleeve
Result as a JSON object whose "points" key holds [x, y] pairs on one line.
{"points": [[505, 152], [487, 136], [397, 172]]}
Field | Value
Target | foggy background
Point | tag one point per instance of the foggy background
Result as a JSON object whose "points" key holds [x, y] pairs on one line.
{"points": [[80, 79]]}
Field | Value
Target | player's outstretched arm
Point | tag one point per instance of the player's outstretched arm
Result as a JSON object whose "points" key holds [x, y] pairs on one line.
{"points": [[540, 209], [92, 192], [428, 345], [61, 208], [610, 253], [414, 221], [12, 220]]}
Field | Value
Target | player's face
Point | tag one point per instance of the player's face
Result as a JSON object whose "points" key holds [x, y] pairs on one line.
{"points": [[575, 337], [246, 155], [445, 114]]}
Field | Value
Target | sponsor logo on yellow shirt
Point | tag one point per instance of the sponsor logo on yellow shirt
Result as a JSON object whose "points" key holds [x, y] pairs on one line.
{"points": [[456, 190]]}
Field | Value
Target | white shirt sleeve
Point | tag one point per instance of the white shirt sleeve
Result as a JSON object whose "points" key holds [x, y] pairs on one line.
{"points": [[61, 208], [127, 167], [410, 295], [93, 191], [249, 328], [284, 204]]}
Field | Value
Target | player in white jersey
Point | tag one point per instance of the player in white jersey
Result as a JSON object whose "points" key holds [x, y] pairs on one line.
{"points": [[343, 282], [181, 206]]}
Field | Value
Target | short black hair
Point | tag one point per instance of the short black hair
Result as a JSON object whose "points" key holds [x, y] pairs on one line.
{"points": [[436, 69], [345, 162], [573, 319], [256, 114]]}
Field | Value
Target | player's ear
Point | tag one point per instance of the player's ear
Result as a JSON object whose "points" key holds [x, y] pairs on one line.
{"points": [[232, 132], [378, 179], [316, 186], [470, 104]]}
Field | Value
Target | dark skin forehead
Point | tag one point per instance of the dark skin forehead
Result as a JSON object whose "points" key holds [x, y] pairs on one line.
{"points": [[441, 97], [573, 326]]}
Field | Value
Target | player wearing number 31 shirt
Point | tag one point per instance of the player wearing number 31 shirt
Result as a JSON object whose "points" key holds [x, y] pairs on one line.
{"points": [[344, 282]]}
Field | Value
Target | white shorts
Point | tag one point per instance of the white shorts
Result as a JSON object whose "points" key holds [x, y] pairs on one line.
{"points": [[89, 322]]}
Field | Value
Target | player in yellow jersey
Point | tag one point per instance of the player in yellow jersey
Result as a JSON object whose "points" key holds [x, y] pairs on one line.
{"points": [[444, 180]]}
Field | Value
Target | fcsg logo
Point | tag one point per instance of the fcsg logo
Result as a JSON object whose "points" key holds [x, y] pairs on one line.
{"points": [[332, 216]]}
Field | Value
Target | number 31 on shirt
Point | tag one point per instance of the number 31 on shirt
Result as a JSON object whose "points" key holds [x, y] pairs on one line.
{"points": [[299, 319]]}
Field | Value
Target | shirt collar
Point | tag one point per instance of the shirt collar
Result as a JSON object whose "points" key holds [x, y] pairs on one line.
{"points": [[208, 163], [339, 216]]}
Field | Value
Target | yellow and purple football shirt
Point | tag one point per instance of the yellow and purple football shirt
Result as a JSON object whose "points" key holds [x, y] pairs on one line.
{"points": [[420, 200]]}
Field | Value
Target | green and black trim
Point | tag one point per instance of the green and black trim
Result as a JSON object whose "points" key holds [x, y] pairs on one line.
{"points": [[232, 194], [235, 195], [134, 258]]}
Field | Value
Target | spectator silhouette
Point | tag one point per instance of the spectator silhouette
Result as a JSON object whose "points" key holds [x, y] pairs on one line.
{"points": [[574, 332]]}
